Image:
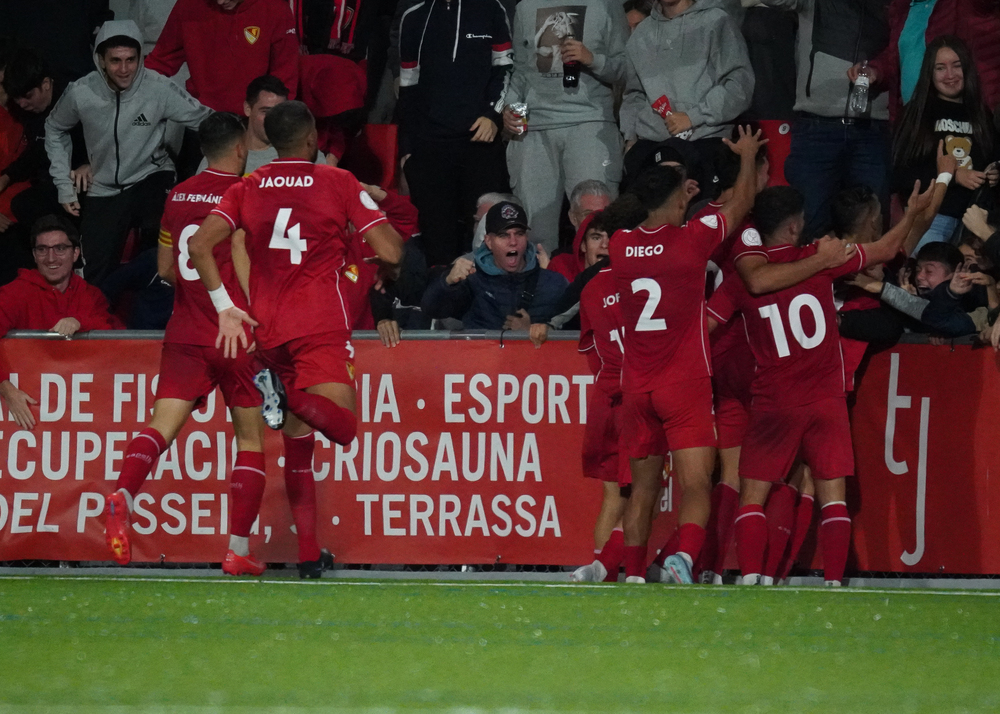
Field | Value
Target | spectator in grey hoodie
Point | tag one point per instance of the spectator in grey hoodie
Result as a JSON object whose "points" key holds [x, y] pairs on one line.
{"points": [[571, 135], [692, 53], [124, 109]]}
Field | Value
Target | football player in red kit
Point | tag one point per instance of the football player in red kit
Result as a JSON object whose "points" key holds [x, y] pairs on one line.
{"points": [[190, 366], [659, 268], [296, 217], [799, 404]]}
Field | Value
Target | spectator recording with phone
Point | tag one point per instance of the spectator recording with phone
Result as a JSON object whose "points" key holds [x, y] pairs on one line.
{"points": [[124, 110], [688, 75], [947, 106], [567, 61]]}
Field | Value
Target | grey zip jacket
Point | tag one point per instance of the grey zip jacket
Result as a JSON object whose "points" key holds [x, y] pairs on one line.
{"points": [[124, 131], [698, 60]]}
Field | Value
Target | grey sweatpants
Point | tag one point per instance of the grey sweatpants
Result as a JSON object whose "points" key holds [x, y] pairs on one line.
{"points": [[546, 164]]}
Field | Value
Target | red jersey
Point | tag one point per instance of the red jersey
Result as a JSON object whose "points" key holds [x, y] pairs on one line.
{"points": [[296, 214], [660, 275], [793, 333], [194, 320], [601, 331], [224, 50]]}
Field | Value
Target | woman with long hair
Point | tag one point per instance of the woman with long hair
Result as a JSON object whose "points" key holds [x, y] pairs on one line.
{"points": [[946, 106]]}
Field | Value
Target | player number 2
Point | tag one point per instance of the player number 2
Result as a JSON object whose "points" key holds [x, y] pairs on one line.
{"points": [[772, 314], [285, 238], [184, 263], [647, 323]]}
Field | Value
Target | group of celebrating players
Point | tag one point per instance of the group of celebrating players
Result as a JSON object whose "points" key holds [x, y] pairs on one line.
{"points": [[766, 391]]}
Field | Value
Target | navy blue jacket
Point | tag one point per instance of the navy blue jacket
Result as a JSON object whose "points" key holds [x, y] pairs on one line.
{"points": [[485, 299]]}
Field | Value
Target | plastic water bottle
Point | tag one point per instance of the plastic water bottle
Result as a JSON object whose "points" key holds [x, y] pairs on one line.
{"points": [[858, 103]]}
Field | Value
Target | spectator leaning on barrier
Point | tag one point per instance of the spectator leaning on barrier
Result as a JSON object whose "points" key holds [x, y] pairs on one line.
{"points": [[831, 150], [693, 55], [32, 89], [502, 287], [124, 109], [455, 57], [570, 135], [50, 298], [226, 43]]}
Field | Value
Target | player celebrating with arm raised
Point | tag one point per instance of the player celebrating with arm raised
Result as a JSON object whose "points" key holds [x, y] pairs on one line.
{"points": [[190, 366], [295, 215], [659, 268], [799, 403]]}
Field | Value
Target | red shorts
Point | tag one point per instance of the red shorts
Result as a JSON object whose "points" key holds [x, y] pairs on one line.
{"points": [[733, 373], [819, 433], [315, 359], [192, 372], [679, 415], [601, 457]]}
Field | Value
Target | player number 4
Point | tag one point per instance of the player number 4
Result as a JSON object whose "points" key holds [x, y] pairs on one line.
{"points": [[647, 323], [772, 314], [285, 238]]}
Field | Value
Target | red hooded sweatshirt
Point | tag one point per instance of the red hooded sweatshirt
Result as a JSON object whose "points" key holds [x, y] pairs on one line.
{"points": [[30, 303], [571, 264], [226, 50]]}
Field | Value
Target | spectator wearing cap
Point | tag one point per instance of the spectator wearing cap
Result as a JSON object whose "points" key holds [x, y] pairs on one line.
{"points": [[263, 94], [51, 297], [124, 110], [226, 43], [33, 90], [502, 287], [571, 134], [692, 55], [830, 149]]}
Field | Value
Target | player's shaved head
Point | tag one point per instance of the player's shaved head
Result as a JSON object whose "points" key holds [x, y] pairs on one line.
{"points": [[288, 126], [774, 207], [219, 133]]}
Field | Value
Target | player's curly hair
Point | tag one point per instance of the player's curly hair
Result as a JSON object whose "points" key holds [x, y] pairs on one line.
{"points": [[649, 191]]}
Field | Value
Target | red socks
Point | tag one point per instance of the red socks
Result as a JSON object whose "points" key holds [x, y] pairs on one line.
{"points": [[780, 514], [803, 519], [835, 539], [669, 549], [719, 531], [751, 539], [334, 422], [690, 538], [635, 561], [301, 489], [612, 555], [140, 455], [246, 486]]}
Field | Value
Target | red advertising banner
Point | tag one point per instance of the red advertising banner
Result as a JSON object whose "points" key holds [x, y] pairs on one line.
{"points": [[468, 452]]}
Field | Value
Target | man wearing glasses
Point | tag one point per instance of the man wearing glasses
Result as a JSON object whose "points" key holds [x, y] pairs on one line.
{"points": [[50, 298]]}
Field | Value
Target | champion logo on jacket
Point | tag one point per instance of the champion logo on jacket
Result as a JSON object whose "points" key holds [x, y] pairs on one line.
{"points": [[141, 120]]}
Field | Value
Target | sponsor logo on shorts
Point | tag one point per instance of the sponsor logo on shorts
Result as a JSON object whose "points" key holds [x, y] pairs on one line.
{"points": [[751, 238], [252, 34]]}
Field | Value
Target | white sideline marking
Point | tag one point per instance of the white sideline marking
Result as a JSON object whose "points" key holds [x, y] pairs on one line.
{"points": [[497, 584]]}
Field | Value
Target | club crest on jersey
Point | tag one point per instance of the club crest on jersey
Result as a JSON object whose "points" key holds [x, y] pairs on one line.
{"points": [[368, 202], [286, 182], [350, 369], [751, 237], [252, 33], [351, 273], [711, 221]]}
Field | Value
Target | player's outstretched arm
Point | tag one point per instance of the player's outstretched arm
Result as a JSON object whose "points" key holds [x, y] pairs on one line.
{"points": [[886, 248], [213, 231], [947, 165], [736, 209], [387, 244], [762, 277]]}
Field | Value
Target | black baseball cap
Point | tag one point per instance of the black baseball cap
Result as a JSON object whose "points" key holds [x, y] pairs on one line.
{"points": [[504, 215]]}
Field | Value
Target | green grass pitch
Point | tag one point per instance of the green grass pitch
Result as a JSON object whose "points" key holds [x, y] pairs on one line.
{"points": [[132, 644]]}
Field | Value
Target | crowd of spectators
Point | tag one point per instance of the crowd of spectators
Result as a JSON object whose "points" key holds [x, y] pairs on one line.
{"points": [[517, 124]]}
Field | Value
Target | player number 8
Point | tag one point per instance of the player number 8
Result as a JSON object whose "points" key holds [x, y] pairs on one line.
{"points": [[184, 263]]}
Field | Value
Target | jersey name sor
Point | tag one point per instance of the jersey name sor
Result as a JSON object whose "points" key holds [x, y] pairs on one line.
{"points": [[286, 182], [643, 251]]}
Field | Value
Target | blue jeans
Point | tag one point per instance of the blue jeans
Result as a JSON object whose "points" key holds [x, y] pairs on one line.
{"points": [[828, 155], [940, 231]]}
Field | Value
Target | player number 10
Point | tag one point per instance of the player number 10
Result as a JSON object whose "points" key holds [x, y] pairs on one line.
{"points": [[772, 314]]}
